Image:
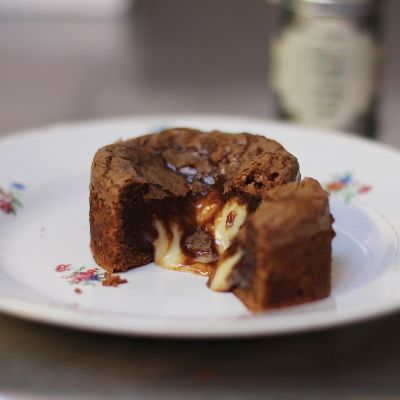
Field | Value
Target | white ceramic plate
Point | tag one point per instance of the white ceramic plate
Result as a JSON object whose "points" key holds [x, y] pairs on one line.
{"points": [[49, 169]]}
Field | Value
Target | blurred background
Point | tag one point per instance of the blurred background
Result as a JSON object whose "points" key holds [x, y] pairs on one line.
{"points": [[70, 60], [66, 61]]}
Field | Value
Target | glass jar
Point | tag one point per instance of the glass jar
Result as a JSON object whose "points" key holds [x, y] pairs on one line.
{"points": [[325, 63]]}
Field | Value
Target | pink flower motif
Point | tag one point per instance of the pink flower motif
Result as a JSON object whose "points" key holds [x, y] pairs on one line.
{"points": [[335, 186], [63, 267], [82, 275], [6, 206], [9, 200], [91, 274], [364, 189]]}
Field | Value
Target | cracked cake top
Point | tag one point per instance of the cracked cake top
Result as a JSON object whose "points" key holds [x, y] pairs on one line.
{"points": [[178, 161]]}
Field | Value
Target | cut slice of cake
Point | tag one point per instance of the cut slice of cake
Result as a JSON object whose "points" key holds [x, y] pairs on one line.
{"points": [[282, 254]]}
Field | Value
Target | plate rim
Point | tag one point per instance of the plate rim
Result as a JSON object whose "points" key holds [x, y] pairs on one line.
{"points": [[52, 128], [66, 317]]}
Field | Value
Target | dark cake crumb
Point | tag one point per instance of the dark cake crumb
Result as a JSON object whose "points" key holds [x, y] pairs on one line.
{"points": [[78, 291], [199, 243], [112, 280]]}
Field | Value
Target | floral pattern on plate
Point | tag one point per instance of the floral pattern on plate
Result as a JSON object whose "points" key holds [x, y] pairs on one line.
{"points": [[84, 275], [89, 276], [10, 199], [347, 186]]}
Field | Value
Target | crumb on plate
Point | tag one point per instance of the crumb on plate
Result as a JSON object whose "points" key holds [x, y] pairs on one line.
{"points": [[112, 280]]}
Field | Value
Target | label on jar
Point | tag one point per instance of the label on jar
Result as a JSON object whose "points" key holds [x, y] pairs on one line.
{"points": [[324, 71]]}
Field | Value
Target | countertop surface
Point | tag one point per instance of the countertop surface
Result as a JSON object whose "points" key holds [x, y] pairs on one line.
{"points": [[162, 60]]}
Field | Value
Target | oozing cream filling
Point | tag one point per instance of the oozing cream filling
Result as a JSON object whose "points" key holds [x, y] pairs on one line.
{"points": [[168, 253], [224, 230], [220, 281], [222, 224]]}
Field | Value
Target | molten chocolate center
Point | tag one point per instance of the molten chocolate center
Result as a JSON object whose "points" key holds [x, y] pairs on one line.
{"points": [[193, 233]]}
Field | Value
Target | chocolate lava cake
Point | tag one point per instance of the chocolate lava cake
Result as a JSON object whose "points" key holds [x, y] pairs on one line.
{"points": [[227, 206]]}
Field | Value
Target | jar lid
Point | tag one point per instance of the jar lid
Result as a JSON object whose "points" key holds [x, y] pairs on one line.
{"points": [[330, 8]]}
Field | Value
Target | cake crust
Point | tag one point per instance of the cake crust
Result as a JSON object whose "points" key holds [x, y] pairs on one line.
{"points": [[286, 248]]}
